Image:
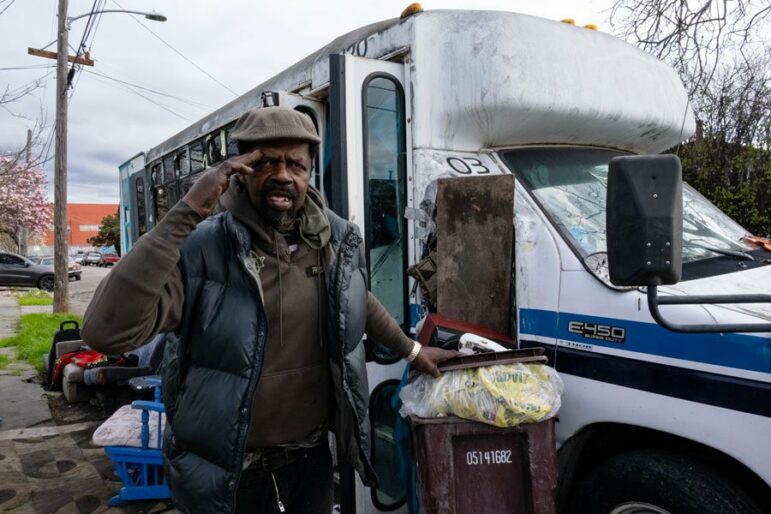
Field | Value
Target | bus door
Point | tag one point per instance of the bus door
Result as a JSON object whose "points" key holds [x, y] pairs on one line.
{"points": [[128, 172], [368, 185]]}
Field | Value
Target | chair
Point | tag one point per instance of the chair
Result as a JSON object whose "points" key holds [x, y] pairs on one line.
{"points": [[141, 468]]}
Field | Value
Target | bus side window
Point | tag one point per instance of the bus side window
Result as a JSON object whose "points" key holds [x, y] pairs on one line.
{"points": [[140, 194], [162, 204], [196, 156], [232, 146], [156, 174], [214, 148], [181, 163], [389, 494], [185, 185], [385, 197], [168, 170]]}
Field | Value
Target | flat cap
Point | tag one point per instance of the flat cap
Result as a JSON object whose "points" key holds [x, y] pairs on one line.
{"points": [[270, 123]]}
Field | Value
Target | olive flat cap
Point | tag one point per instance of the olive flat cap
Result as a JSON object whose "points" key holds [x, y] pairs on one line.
{"points": [[270, 123]]}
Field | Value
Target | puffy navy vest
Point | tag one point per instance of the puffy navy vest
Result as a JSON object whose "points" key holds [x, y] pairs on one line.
{"points": [[212, 365]]}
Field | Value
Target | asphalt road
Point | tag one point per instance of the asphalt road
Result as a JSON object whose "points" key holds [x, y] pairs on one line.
{"points": [[81, 291]]}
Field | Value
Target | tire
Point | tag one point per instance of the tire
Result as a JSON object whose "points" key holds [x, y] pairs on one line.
{"points": [[658, 482], [77, 277], [46, 282]]}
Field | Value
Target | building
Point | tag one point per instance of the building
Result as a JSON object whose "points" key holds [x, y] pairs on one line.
{"points": [[83, 220]]}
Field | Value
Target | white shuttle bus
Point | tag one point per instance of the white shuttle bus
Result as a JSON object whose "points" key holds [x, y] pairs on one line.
{"points": [[651, 419]]}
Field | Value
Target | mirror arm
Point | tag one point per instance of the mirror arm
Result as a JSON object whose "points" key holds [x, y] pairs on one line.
{"points": [[654, 301]]}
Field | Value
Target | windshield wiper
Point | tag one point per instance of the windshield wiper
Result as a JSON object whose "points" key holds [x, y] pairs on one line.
{"points": [[729, 253]]}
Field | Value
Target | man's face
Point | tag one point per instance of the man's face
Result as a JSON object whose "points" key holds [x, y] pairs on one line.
{"points": [[280, 181]]}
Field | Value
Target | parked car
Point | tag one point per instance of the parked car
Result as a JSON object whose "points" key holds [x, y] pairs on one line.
{"points": [[109, 259], [92, 259], [73, 268], [78, 257], [17, 271]]}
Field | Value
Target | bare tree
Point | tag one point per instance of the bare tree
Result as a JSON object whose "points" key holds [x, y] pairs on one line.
{"points": [[720, 49], [32, 152], [694, 35], [729, 160]]}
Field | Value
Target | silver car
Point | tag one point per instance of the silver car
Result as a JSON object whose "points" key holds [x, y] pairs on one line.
{"points": [[73, 268], [16, 271]]}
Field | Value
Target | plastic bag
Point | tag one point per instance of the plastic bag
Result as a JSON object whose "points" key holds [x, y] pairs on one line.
{"points": [[503, 395]]}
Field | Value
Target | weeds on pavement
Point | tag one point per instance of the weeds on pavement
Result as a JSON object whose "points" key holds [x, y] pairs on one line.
{"points": [[36, 332], [36, 297]]}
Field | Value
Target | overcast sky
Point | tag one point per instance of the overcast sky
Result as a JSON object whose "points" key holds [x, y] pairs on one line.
{"points": [[239, 42]]}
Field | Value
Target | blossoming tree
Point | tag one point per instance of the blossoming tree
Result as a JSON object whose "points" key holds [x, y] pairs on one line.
{"points": [[23, 203]]}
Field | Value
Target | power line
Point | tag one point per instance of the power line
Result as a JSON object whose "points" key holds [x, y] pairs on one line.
{"points": [[5, 8], [117, 72], [11, 95], [86, 30], [192, 103], [98, 6], [165, 108], [33, 67], [98, 20], [178, 52]]}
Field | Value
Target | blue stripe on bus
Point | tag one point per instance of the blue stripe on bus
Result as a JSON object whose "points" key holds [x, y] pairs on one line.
{"points": [[739, 394], [741, 351]]}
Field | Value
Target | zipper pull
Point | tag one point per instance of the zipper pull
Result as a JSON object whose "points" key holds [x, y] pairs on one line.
{"points": [[278, 498]]}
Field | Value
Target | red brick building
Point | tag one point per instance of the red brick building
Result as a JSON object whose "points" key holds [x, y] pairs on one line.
{"points": [[83, 220]]}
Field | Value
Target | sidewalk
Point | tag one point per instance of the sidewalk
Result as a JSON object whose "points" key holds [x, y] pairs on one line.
{"points": [[22, 403], [47, 467]]}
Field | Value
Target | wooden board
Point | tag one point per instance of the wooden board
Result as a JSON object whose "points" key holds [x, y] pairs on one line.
{"points": [[474, 242]]}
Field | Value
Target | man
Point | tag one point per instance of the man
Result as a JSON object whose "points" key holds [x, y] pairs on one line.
{"points": [[267, 303]]}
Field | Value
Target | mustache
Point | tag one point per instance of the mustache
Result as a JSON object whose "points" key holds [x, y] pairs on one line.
{"points": [[272, 187]]}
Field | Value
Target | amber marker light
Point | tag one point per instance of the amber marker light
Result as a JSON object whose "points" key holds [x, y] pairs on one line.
{"points": [[411, 9]]}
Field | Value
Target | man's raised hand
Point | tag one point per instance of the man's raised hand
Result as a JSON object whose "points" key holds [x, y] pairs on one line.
{"points": [[213, 183]]}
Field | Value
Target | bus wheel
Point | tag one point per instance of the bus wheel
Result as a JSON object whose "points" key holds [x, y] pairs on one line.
{"points": [[654, 482]]}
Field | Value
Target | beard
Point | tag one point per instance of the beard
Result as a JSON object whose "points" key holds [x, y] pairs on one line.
{"points": [[277, 218]]}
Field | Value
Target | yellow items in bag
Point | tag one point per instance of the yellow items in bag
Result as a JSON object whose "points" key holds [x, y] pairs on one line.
{"points": [[503, 395]]}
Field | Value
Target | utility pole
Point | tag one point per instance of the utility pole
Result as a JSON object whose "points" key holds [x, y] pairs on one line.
{"points": [[28, 148], [61, 278], [61, 248]]}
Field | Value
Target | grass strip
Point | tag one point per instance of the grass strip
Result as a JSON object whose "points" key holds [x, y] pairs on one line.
{"points": [[38, 297], [36, 332], [4, 361]]}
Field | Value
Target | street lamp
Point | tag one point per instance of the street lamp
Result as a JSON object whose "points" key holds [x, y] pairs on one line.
{"points": [[61, 278], [152, 15]]}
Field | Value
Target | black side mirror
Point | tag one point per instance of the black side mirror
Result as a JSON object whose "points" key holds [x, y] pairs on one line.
{"points": [[645, 220], [645, 234]]}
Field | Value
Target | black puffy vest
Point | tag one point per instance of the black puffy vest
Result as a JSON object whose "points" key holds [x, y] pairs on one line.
{"points": [[212, 366]]}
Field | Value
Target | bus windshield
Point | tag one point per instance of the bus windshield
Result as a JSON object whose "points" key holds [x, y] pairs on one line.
{"points": [[571, 182]]}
